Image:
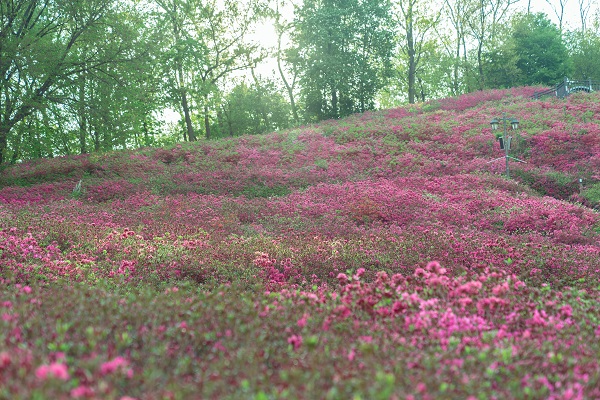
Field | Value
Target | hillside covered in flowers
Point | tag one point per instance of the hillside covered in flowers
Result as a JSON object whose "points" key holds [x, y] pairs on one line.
{"points": [[382, 256]]}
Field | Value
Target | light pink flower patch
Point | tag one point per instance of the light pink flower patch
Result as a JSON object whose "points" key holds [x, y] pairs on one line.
{"points": [[351, 355], [359, 272], [296, 341], [54, 370], [302, 321], [112, 365], [219, 346], [4, 360], [82, 391], [342, 278]]}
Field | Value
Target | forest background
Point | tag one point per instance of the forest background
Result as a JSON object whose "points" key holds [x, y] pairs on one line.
{"points": [[98, 75]]}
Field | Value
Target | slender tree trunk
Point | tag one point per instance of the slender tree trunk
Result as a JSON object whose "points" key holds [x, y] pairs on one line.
{"points": [[191, 135], [480, 65], [263, 112], [82, 115], [24, 126], [411, 69], [455, 70], [17, 150], [288, 87], [410, 44], [206, 117], [96, 139], [185, 107], [334, 103], [146, 132], [3, 141]]}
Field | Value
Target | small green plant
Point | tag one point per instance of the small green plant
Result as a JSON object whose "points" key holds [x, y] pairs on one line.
{"points": [[322, 164], [592, 194], [77, 191]]}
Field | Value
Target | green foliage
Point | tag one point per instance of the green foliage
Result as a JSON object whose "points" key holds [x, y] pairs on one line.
{"points": [[344, 50], [254, 109], [262, 190], [541, 54], [585, 54], [592, 194]]}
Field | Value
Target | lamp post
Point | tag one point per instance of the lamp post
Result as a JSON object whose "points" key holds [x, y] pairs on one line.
{"points": [[514, 123]]}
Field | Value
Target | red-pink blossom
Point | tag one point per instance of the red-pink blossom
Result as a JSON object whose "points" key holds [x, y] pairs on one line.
{"points": [[82, 391], [302, 321], [56, 370], [296, 341], [112, 365]]}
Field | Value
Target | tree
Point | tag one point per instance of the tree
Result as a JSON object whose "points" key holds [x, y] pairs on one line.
{"points": [[541, 53], [345, 47], [485, 16], [113, 103], [584, 10], [38, 42], [559, 10], [209, 41], [500, 62], [254, 109], [416, 19], [457, 12], [178, 15], [287, 57], [585, 54]]}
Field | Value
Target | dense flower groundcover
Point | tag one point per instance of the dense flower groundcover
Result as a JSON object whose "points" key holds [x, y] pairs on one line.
{"points": [[384, 256]]}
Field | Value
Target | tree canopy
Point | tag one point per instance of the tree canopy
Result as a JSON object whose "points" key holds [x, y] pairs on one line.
{"points": [[541, 54], [344, 49], [86, 76]]}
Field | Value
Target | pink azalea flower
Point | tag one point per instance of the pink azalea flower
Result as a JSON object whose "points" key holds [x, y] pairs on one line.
{"points": [[4, 360], [56, 370], [342, 278], [112, 365], [82, 391], [302, 321], [296, 341], [351, 355]]}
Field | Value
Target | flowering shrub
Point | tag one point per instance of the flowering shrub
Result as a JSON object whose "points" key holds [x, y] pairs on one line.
{"points": [[300, 264]]}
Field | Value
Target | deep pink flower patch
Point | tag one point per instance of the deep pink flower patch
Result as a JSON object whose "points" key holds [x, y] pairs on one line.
{"points": [[113, 365], [296, 341], [56, 370]]}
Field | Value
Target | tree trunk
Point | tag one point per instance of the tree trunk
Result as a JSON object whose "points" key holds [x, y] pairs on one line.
{"points": [[410, 44], [16, 149], [334, 103], [288, 87], [206, 119], [186, 108], [480, 65], [3, 141], [411, 72], [180, 76], [455, 83], [82, 115]]}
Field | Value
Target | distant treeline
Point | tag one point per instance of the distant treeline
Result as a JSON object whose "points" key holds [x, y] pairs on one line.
{"points": [[83, 76]]}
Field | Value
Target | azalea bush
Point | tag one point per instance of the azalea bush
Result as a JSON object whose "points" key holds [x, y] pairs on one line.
{"points": [[381, 256]]}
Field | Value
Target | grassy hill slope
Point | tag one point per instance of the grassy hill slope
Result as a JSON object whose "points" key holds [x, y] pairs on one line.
{"points": [[378, 256]]}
